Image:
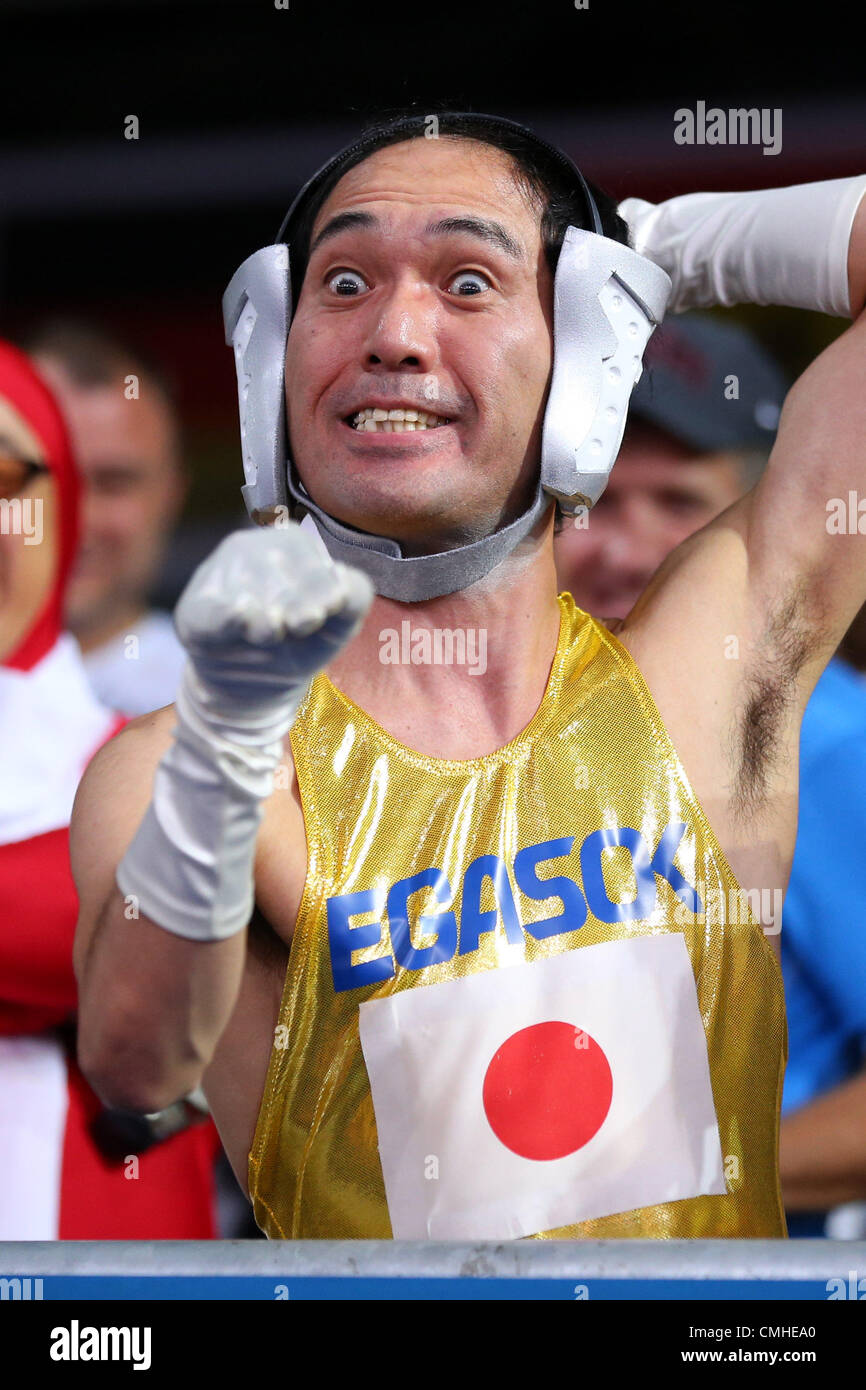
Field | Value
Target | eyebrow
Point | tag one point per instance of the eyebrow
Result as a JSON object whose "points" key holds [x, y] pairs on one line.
{"points": [[481, 227]]}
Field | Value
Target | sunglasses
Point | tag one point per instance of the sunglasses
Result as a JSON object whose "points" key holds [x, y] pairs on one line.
{"points": [[16, 473]]}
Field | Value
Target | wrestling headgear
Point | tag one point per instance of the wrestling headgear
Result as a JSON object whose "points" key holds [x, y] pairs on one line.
{"points": [[607, 301]]}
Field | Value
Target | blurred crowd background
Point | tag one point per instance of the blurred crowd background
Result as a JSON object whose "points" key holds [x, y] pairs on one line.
{"points": [[238, 102], [147, 147]]}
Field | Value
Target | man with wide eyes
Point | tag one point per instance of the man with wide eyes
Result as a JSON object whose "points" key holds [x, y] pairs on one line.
{"points": [[456, 954]]}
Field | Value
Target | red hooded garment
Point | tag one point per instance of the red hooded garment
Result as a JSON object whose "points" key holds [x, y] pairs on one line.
{"points": [[54, 1181]]}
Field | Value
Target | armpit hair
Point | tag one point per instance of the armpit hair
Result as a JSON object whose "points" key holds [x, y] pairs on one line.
{"points": [[791, 637]]}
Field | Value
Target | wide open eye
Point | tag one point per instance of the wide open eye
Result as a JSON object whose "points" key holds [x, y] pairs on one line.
{"points": [[347, 283], [466, 277]]}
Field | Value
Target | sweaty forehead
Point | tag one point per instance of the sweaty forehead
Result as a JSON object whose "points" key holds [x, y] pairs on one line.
{"points": [[413, 177]]}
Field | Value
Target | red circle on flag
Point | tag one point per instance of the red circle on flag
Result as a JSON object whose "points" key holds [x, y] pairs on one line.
{"points": [[547, 1090]]}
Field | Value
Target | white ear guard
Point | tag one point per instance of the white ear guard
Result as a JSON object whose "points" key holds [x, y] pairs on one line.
{"points": [[607, 301], [257, 310]]}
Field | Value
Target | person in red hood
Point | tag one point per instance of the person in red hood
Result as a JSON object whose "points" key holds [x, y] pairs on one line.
{"points": [[69, 1169]]}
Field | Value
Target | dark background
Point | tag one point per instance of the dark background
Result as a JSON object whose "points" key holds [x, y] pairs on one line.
{"points": [[239, 102]]}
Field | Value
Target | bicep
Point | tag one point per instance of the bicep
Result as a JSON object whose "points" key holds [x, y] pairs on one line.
{"points": [[110, 804], [802, 520]]}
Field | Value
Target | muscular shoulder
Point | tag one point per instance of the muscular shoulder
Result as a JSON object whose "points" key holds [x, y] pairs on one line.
{"points": [[123, 768], [128, 761]]}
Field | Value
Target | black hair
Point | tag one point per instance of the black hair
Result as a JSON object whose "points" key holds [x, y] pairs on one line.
{"points": [[541, 172]]}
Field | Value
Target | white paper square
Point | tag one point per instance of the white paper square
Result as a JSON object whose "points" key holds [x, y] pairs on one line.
{"points": [[427, 1050]]}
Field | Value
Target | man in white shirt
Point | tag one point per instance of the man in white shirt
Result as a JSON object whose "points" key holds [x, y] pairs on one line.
{"points": [[126, 439]]}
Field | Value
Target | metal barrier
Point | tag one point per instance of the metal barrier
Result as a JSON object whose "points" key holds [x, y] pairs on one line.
{"points": [[523, 1269]]}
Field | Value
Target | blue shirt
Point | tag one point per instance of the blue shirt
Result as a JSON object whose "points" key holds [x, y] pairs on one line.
{"points": [[824, 917]]}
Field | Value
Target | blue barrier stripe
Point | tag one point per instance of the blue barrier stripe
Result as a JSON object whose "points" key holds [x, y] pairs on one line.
{"points": [[256, 1288]]}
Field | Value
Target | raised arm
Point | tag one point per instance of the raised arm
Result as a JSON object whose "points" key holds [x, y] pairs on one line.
{"points": [[165, 825], [795, 568], [807, 516]]}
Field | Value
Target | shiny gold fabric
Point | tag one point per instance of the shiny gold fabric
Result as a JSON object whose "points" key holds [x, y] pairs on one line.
{"points": [[595, 755]]}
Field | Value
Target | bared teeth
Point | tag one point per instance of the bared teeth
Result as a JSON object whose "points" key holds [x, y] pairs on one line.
{"points": [[374, 418]]}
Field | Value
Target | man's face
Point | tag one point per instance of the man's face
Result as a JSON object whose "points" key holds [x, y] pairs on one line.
{"points": [[660, 492], [126, 453], [399, 308]]}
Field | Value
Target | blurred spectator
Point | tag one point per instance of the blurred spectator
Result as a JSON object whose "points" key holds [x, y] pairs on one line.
{"points": [[126, 440], [699, 433], [68, 1167]]}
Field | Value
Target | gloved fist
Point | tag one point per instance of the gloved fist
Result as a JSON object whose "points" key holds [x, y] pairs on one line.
{"points": [[266, 611]]}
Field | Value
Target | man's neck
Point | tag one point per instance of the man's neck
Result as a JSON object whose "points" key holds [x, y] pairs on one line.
{"points": [[117, 623], [461, 675]]}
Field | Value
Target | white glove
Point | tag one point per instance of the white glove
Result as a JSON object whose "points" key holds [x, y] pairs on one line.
{"points": [[264, 613], [786, 246]]}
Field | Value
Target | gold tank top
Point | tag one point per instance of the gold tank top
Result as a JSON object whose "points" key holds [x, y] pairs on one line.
{"points": [[595, 757]]}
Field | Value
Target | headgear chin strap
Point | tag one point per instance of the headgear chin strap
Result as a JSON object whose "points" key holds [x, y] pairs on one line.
{"points": [[607, 301], [414, 578]]}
